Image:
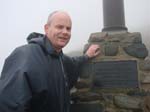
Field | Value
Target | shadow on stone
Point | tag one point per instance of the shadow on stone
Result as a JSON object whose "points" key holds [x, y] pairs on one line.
{"points": [[86, 108]]}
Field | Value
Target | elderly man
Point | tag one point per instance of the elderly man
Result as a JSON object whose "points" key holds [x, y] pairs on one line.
{"points": [[37, 77]]}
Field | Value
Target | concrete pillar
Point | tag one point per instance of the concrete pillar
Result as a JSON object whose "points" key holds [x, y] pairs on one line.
{"points": [[113, 15]]}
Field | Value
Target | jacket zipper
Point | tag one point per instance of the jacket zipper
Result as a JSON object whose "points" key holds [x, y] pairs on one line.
{"points": [[64, 74], [66, 81]]}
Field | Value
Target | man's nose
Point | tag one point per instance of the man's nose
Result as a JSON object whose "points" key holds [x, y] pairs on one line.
{"points": [[65, 31]]}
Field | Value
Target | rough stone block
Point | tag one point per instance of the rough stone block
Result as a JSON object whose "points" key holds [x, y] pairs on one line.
{"points": [[146, 105], [146, 79], [97, 37], [132, 38], [86, 108], [111, 49], [85, 96], [127, 102], [145, 64], [136, 50]]}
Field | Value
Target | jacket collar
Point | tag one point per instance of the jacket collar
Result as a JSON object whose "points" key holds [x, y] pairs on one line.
{"points": [[50, 50]]}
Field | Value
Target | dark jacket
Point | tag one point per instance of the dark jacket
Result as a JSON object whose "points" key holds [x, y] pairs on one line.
{"points": [[37, 79]]}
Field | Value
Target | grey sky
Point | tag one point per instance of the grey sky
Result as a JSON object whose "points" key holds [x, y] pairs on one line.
{"points": [[21, 17]]}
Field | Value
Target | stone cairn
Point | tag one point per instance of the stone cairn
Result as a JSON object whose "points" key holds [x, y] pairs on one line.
{"points": [[116, 47]]}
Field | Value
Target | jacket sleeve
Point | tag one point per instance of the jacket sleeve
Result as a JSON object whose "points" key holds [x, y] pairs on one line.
{"points": [[14, 93], [73, 67], [80, 60], [15, 90]]}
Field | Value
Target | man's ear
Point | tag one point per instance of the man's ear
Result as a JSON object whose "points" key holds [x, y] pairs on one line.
{"points": [[46, 26]]}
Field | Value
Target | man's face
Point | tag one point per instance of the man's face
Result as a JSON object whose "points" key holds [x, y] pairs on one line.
{"points": [[59, 31]]}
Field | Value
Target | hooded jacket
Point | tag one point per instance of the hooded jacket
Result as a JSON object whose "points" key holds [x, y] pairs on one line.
{"points": [[37, 79]]}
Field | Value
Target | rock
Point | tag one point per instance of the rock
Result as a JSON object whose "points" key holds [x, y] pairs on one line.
{"points": [[133, 38], [146, 79], [127, 102], [117, 37], [136, 50], [146, 104], [97, 37], [86, 107], [86, 96], [82, 84], [138, 93], [145, 65], [108, 97], [111, 49], [108, 109], [145, 87], [124, 110]]}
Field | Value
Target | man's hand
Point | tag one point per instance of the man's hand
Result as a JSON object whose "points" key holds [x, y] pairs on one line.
{"points": [[93, 51]]}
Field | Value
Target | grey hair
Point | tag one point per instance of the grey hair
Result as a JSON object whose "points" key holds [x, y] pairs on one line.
{"points": [[49, 20]]}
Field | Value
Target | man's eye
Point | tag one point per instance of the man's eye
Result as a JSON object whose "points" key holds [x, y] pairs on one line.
{"points": [[60, 27], [68, 28]]}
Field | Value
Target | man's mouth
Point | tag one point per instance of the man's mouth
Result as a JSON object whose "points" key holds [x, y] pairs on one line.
{"points": [[63, 38]]}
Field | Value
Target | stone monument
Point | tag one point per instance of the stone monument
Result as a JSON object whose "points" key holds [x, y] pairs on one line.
{"points": [[118, 80]]}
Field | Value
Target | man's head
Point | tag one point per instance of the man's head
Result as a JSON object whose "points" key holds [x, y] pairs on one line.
{"points": [[58, 29]]}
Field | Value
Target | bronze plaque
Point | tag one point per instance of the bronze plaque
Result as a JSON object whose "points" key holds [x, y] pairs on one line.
{"points": [[115, 74]]}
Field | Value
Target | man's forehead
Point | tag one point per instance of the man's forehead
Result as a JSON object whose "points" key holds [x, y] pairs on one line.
{"points": [[61, 15], [61, 18], [58, 14]]}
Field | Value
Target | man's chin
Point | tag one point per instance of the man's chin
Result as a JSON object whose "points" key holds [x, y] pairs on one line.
{"points": [[62, 45]]}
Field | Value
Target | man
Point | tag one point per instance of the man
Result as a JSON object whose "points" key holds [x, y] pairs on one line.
{"points": [[37, 77]]}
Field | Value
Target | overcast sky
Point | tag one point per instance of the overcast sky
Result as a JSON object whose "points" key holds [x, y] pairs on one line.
{"points": [[21, 17]]}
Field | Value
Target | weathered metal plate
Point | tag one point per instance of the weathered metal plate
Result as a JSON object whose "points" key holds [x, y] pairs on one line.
{"points": [[115, 74]]}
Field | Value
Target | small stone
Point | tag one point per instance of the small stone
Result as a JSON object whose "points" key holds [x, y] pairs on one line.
{"points": [[111, 49], [138, 93], [96, 107], [136, 50], [124, 110], [132, 38], [146, 79], [127, 102], [107, 97], [97, 37], [86, 96], [145, 65], [82, 84], [108, 109], [146, 104]]}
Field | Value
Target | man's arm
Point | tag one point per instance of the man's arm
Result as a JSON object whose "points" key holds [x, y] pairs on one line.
{"points": [[15, 91], [73, 65], [93, 51]]}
